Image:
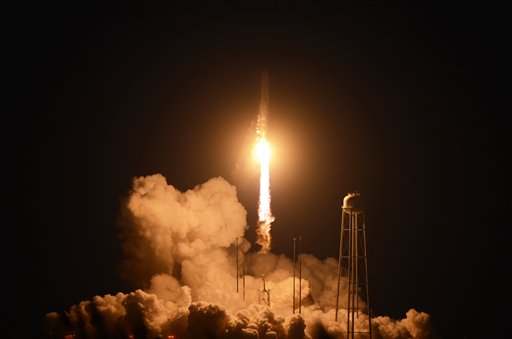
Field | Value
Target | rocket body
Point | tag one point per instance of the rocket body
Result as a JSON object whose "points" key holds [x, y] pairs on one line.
{"points": [[263, 108]]}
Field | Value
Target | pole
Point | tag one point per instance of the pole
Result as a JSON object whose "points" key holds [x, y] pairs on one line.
{"points": [[339, 267], [237, 276], [367, 282], [354, 270], [243, 275], [294, 264], [300, 274], [349, 272]]}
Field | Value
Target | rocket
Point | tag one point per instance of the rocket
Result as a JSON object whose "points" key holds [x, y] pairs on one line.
{"points": [[263, 108]]}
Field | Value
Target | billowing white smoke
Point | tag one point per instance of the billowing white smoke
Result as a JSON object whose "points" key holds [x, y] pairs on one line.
{"points": [[181, 250]]}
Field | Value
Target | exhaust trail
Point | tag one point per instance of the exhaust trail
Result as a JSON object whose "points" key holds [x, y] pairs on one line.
{"points": [[263, 154]]}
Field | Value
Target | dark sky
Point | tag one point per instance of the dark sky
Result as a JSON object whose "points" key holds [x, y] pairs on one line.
{"points": [[405, 105]]}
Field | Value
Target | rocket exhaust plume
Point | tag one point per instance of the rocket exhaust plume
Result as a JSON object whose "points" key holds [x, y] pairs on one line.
{"points": [[263, 153]]}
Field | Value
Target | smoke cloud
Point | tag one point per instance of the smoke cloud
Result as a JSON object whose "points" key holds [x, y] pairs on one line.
{"points": [[181, 253]]}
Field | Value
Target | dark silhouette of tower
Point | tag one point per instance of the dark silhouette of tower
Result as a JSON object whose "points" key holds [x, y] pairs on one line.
{"points": [[353, 263]]}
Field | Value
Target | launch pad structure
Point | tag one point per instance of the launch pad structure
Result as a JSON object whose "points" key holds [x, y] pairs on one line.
{"points": [[295, 257], [240, 275], [353, 262]]}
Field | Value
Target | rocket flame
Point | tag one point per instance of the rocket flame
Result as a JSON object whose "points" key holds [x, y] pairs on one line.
{"points": [[262, 153], [265, 218]]}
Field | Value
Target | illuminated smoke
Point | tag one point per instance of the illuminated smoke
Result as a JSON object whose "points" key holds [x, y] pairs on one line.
{"points": [[181, 253]]}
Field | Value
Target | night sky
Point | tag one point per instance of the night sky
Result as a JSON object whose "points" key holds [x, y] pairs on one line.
{"points": [[404, 105]]}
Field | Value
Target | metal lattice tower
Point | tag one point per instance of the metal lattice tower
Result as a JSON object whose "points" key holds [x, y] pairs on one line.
{"points": [[353, 264]]}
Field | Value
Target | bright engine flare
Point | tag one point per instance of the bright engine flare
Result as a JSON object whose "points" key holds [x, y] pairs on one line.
{"points": [[265, 217], [263, 152]]}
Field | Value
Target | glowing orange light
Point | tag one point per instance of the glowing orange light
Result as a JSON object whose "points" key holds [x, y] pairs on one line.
{"points": [[262, 151], [265, 218]]}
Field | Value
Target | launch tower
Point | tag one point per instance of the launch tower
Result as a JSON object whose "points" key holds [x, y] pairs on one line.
{"points": [[353, 263]]}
